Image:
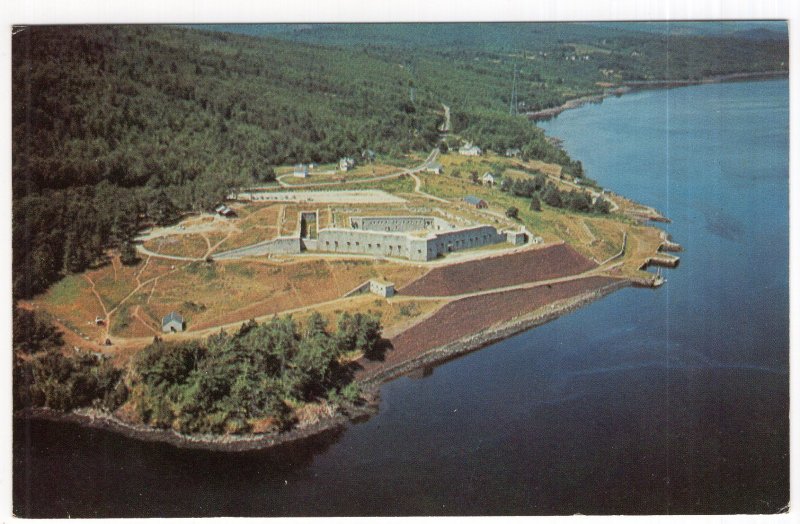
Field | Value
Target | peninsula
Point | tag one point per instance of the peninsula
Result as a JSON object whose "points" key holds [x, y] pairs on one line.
{"points": [[231, 277]]}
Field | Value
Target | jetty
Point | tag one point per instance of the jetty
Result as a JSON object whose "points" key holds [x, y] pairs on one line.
{"points": [[651, 281], [646, 214], [668, 245], [663, 260]]}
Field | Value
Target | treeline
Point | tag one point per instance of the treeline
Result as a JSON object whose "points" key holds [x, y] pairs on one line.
{"points": [[113, 127], [62, 231], [232, 382], [225, 384], [539, 190], [499, 132], [43, 376], [544, 51], [133, 104]]}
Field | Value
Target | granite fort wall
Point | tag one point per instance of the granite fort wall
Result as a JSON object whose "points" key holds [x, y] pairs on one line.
{"points": [[385, 243], [467, 238], [340, 240], [399, 223], [283, 245]]}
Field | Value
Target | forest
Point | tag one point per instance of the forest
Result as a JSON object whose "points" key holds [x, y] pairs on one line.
{"points": [[224, 384], [116, 127]]}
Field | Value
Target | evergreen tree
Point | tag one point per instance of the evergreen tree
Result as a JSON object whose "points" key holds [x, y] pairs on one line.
{"points": [[127, 254], [162, 210]]}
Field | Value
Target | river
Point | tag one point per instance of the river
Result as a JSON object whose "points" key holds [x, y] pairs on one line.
{"points": [[672, 400]]}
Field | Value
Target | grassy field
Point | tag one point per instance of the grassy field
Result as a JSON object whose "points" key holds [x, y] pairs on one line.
{"points": [[399, 185], [219, 293], [600, 237], [322, 174], [188, 245], [207, 294]]}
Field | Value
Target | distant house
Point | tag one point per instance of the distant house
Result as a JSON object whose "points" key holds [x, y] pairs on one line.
{"points": [[477, 203], [172, 323], [224, 211], [435, 167], [513, 152], [488, 179], [368, 155], [470, 150], [346, 163], [381, 288], [300, 171]]}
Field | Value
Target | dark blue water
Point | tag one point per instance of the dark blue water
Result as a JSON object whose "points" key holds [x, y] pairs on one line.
{"points": [[666, 401]]}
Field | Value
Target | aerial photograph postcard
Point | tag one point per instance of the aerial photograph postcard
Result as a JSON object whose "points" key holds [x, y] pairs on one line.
{"points": [[399, 269]]}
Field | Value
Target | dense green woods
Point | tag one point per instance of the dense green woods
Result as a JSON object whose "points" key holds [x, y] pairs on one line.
{"points": [[114, 126], [635, 51], [224, 384], [43, 376], [539, 190], [231, 381]]}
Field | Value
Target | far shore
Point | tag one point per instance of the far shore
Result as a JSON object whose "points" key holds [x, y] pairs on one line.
{"points": [[370, 387], [634, 85]]}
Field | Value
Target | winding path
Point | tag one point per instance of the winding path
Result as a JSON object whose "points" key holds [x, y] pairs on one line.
{"points": [[431, 157], [603, 270]]}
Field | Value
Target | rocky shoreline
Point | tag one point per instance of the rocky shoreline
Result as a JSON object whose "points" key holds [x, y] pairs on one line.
{"points": [[98, 419]]}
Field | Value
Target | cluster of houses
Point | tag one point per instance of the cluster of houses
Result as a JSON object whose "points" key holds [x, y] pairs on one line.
{"points": [[345, 164], [469, 149]]}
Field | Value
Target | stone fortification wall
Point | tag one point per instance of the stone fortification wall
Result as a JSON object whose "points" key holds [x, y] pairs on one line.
{"points": [[459, 239], [400, 223], [281, 245], [391, 224], [376, 243], [383, 243]]}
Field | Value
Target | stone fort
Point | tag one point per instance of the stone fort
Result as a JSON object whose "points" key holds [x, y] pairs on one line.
{"points": [[418, 238]]}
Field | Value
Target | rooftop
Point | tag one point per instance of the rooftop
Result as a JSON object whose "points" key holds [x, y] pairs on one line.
{"points": [[170, 317], [473, 199]]}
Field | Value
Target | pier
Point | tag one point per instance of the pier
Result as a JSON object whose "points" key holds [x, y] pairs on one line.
{"points": [[668, 245], [651, 281], [663, 260]]}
